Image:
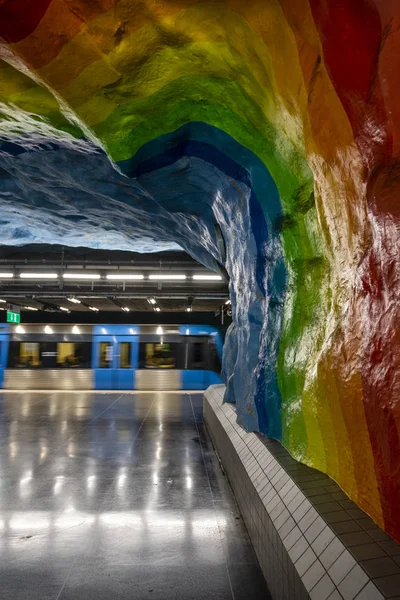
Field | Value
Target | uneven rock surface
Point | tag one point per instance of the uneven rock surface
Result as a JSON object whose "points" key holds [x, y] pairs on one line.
{"points": [[146, 124]]}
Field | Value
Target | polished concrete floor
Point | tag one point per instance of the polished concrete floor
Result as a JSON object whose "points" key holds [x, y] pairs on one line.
{"points": [[117, 497]]}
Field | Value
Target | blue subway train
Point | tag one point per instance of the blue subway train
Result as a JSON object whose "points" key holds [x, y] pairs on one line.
{"points": [[109, 357]]}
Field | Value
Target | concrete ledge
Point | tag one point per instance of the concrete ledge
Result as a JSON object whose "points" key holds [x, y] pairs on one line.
{"points": [[310, 539]]}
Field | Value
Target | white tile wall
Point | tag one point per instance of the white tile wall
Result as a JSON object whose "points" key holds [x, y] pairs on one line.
{"points": [[300, 555]]}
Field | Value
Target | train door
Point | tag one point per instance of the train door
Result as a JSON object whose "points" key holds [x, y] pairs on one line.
{"points": [[202, 349], [3, 357], [104, 361], [194, 374], [115, 356], [127, 360]]}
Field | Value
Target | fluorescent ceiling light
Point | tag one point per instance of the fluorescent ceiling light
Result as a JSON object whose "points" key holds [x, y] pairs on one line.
{"points": [[159, 330], [3, 301], [152, 301], [93, 308], [19, 329], [155, 277], [157, 309], [88, 276], [189, 309], [38, 275], [228, 302], [207, 277], [6, 275], [74, 300], [30, 308], [75, 329], [125, 308], [124, 276], [48, 329], [64, 309]]}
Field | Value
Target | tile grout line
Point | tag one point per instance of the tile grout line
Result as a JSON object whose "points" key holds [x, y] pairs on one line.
{"points": [[211, 494], [131, 446], [111, 482], [80, 431], [91, 421], [321, 516], [36, 402]]}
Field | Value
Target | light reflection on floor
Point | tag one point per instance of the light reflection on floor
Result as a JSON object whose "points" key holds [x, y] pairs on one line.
{"points": [[116, 496]]}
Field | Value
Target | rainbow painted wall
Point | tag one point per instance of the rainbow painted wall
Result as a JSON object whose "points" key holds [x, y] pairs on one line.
{"points": [[141, 124]]}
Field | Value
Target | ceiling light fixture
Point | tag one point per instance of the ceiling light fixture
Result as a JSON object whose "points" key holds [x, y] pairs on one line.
{"points": [[28, 275], [3, 301], [30, 308], [74, 300], [159, 330], [87, 276], [189, 309], [65, 309], [6, 275], [48, 329], [125, 308], [76, 329], [155, 277], [152, 301], [157, 309], [93, 308], [124, 277], [19, 329], [228, 302], [207, 278]]}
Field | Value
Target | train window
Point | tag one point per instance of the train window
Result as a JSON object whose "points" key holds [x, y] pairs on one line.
{"points": [[198, 356], [106, 355], [214, 356], [74, 355], [157, 355], [49, 355], [125, 355], [24, 355]]}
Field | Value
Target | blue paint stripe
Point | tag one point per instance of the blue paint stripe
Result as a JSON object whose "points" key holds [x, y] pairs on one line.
{"points": [[226, 165], [222, 151], [219, 149]]}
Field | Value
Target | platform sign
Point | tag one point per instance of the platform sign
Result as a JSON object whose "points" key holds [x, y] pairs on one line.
{"points": [[13, 313]]}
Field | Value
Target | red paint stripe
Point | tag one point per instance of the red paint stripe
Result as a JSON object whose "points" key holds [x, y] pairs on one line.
{"points": [[381, 381], [351, 33], [352, 37], [19, 18]]}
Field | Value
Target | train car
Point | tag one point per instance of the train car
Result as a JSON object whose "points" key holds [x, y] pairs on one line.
{"points": [[109, 357]]}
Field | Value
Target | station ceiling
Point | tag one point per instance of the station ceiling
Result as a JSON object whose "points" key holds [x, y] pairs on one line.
{"points": [[59, 279]]}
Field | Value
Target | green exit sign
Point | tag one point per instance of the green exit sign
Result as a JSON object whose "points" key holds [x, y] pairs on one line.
{"points": [[13, 313], [13, 317]]}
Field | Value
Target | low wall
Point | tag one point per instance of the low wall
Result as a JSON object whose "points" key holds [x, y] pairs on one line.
{"points": [[310, 539]]}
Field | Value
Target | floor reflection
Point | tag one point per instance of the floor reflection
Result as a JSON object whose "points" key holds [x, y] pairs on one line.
{"points": [[101, 493]]}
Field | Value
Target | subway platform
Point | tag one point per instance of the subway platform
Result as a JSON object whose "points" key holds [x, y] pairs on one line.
{"points": [[115, 497]]}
